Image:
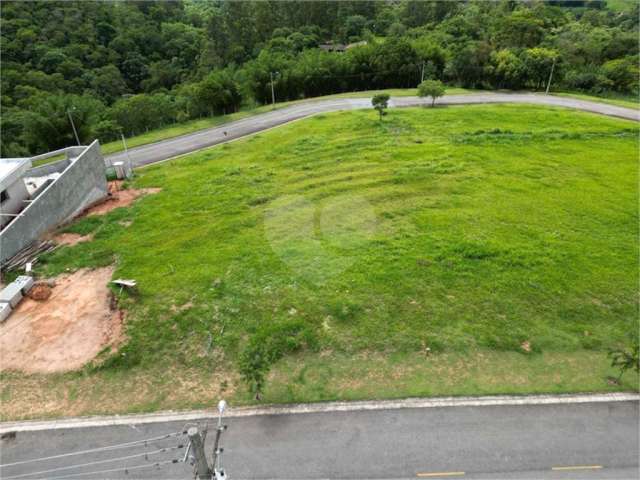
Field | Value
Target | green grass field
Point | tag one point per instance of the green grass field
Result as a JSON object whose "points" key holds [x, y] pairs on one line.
{"points": [[621, 5], [459, 250]]}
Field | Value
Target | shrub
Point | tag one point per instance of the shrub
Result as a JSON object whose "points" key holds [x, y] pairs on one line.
{"points": [[626, 358], [268, 345], [380, 103]]}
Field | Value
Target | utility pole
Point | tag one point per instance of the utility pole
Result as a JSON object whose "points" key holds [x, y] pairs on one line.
{"points": [[126, 151], [422, 73], [550, 76], [75, 132], [273, 94], [203, 472]]}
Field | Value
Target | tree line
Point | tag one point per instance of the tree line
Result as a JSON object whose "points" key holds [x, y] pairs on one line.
{"points": [[128, 67]]}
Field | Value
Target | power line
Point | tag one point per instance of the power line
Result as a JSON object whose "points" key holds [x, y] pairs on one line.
{"points": [[123, 469], [128, 457], [93, 450]]}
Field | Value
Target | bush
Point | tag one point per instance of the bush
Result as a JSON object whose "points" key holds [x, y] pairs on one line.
{"points": [[107, 130], [268, 345], [140, 113], [622, 73], [626, 358]]}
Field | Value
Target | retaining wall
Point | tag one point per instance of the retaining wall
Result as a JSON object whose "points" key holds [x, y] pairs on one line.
{"points": [[81, 183]]}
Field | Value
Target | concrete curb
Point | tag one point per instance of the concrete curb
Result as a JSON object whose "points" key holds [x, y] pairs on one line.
{"points": [[311, 408]]}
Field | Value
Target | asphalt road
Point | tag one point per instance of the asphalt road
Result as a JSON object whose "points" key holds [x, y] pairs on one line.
{"points": [[477, 442], [173, 147]]}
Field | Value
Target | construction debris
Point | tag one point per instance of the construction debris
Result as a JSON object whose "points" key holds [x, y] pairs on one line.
{"points": [[11, 295], [29, 254], [125, 283]]}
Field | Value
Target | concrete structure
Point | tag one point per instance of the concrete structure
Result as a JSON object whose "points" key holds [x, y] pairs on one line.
{"points": [[339, 47], [13, 190], [11, 295], [57, 192], [5, 311]]}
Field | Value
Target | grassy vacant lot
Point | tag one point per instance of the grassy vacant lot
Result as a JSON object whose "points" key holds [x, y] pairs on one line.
{"points": [[459, 250]]}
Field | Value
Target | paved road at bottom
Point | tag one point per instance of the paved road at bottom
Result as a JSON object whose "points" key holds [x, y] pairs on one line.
{"points": [[173, 147], [557, 441]]}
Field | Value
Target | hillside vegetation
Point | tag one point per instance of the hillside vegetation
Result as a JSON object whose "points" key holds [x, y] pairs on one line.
{"points": [[436, 239], [130, 67]]}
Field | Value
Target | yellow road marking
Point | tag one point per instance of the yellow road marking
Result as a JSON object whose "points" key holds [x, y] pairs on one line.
{"points": [[440, 474], [579, 467]]}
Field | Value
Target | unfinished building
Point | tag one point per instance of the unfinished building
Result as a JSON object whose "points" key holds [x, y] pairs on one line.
{"points": [[36, 199]]}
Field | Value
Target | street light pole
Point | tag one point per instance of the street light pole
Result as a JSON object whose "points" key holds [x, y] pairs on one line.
{"points": [[75, 132], [550, 76], [218, 471], [273, 94], [126, 151]]}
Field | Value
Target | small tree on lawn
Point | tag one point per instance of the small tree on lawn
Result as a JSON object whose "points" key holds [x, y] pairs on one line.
{"points": [[255, 364], [380, 102], [268, 345], [431, 88], [626, 359]]}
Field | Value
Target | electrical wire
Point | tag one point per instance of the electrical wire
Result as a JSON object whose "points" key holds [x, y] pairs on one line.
{"points": [[93, 450], [123, 469], [69, 467]]}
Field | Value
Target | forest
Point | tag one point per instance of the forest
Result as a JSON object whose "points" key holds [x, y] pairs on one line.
{"points": [[128, 67]]}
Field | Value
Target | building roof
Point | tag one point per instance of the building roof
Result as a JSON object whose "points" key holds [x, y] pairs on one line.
{"points": [[332, 47], [12, 169]]}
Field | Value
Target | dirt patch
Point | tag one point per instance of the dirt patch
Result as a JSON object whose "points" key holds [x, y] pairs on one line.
{"points": [[118, 198], [65, 331], [71, 239], [40, 292]]}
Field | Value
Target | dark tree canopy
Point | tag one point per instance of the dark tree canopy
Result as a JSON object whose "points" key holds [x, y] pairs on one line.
{"points": [[127, 67]]}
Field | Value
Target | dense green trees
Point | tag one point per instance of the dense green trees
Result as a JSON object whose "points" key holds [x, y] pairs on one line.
{"points": [[139, 65]]}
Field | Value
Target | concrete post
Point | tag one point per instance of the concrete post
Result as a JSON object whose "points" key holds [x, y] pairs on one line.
{"points": [[203, 472]]}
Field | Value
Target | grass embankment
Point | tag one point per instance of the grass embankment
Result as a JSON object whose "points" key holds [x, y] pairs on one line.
{"points": [[627, 101], [203, 123], [459, 250], [248, 111]]}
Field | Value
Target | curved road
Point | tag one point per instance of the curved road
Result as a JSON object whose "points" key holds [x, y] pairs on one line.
{"points": [[165, 149]]}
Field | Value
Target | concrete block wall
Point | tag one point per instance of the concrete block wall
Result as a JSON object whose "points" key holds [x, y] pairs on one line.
{"points": [[80, 184], [48, 168]]}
